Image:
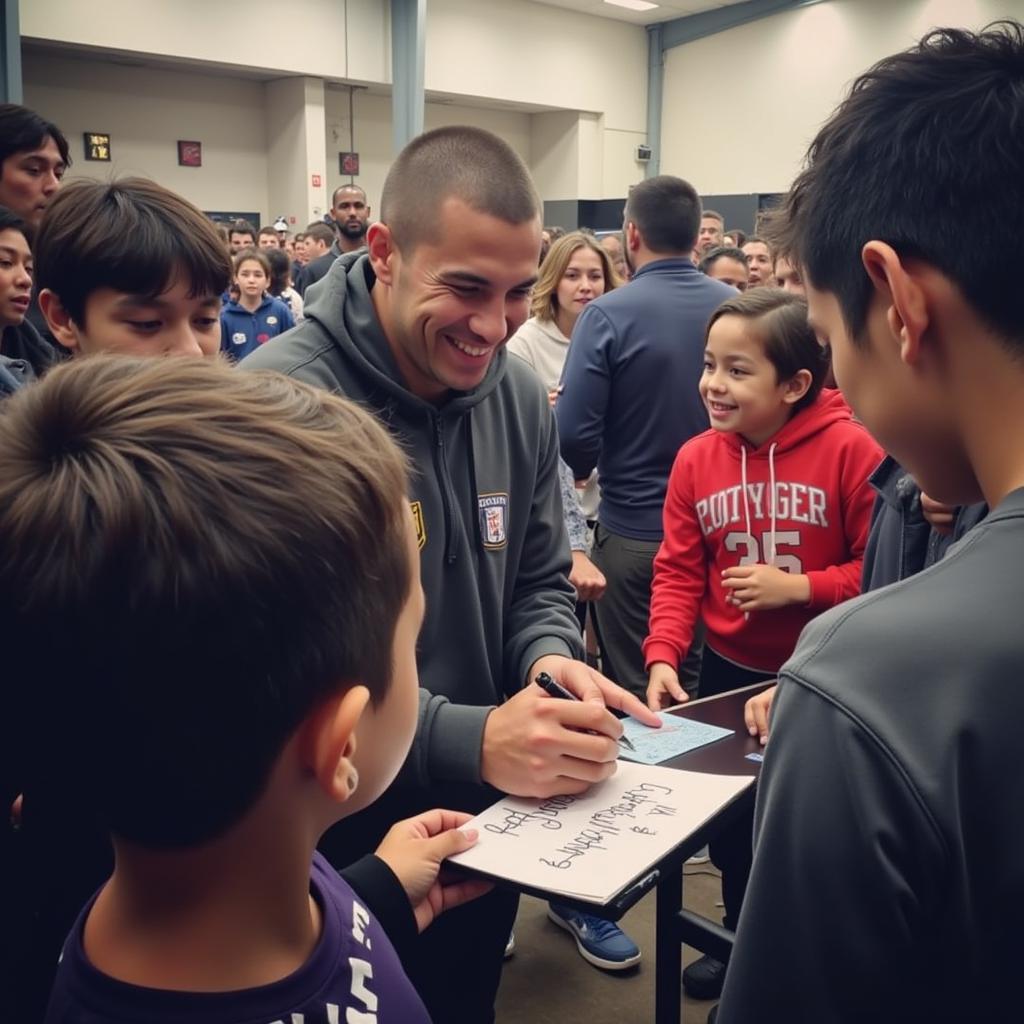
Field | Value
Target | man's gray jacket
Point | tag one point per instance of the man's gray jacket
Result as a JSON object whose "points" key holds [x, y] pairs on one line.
{"points": [[485, 497]]}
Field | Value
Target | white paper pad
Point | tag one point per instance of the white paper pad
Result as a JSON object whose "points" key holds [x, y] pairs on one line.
{"points": [[590, 846]]}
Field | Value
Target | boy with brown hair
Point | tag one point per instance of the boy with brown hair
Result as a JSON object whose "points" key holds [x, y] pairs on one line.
{"points": [[889, 840], [235, 670]]}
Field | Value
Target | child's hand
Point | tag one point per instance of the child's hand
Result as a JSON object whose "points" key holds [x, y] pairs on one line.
{"points": [[414, 850], [758, 588], [756, 712], [941, 518], [663, 689]]}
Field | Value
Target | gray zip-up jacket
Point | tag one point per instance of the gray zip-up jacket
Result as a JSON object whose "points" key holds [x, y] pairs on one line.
{"points": [[889, 851], [485, 496]]}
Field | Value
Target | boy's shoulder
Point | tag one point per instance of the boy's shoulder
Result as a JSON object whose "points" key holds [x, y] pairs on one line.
{"points": [[938, 655], [353, 968]]}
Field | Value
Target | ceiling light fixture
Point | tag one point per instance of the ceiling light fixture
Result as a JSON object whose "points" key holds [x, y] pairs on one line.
{"points": [[632, 5]]}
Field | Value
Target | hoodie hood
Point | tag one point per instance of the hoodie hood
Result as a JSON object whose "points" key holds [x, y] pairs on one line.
{"points": [[343, 307], [828, 408]]}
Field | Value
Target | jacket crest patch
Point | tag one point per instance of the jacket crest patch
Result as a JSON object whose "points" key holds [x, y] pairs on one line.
{"points": [[493, 519], [421, 528]]}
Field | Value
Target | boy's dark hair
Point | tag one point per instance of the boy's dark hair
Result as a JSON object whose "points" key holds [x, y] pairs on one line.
{"points": [[267, 229], [131, 235], [222, 550], [790, 345], [923, 137], [241, 227], [458, 161], [666, 211], [22, 130], [280, 268], [321, 232], [256, 255], [12, 222], [719, 253]]}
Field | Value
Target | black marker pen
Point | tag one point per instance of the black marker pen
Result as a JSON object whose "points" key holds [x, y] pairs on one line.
{"points": [[553, 689]]}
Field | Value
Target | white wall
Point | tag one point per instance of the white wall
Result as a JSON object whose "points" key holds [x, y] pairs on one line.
{"points": [[373, 134], [145, 112], [740, 107], [324, 38], [591, 69]]}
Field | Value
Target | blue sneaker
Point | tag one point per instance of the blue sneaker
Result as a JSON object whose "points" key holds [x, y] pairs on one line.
{"points": [[600, 942]]}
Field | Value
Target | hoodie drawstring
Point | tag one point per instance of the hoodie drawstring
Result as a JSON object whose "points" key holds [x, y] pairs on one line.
{"points": [[771, 483], [743, 481]]}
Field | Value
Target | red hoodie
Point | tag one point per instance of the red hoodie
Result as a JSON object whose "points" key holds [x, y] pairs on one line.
{"points": [[718, 514]]}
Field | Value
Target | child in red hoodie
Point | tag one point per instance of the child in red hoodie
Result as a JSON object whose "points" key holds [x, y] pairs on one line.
{"points": [[766, 518]]}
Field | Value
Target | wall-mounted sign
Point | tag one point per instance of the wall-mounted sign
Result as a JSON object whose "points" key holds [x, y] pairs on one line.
{"points": [[348, 163], [316, 181], [190, 154], [97, 146]]}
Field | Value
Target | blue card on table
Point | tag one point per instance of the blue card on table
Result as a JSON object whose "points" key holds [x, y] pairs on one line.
{"points": [[676, 736]]}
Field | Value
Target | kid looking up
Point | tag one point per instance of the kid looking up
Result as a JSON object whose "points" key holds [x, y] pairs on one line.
{"points": [[766, 512], [230, 677], [255, 317], [15, 298], [766, 518]]}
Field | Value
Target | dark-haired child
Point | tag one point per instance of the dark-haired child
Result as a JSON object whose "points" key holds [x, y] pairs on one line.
{"points": [[766, 518], [281, 282], [888, 876], [15, 297], [230, 677], [255, 316], [130, 267]]}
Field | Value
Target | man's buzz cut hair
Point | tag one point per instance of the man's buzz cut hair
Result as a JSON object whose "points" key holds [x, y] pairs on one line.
{"points": [[925, 140], [131, 235], [468, 163], [220, 553], [349, 186], [666, 211]]}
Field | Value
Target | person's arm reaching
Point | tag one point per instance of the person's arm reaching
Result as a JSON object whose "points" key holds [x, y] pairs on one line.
{"points": [[680, 578]]}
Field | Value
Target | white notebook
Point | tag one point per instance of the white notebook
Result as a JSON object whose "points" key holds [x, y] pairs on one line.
{"points": [[589, 847]]}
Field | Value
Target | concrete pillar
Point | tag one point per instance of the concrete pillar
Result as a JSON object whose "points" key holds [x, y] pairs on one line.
{"points": [[296, 150]]}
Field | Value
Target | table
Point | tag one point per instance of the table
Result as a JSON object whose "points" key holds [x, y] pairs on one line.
{"points": [[727, 756]]}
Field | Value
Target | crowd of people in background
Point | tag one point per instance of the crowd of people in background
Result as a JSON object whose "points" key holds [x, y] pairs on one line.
{"points": [[631, 471]]}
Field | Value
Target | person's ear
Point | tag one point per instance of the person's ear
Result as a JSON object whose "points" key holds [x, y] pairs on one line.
{"points": [[328, 742], [632, 236], [383, 254], [906, 302], [797, 386], [62, 327]]}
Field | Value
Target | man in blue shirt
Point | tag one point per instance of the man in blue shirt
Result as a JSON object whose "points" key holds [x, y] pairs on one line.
{"points": [[629, 400]]}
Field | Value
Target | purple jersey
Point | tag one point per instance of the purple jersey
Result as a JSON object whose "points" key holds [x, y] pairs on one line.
{"points": [[353, 977]]}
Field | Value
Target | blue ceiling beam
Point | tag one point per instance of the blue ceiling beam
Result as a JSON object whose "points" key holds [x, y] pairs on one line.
{"points": [[10, 53], [679, 31]]}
